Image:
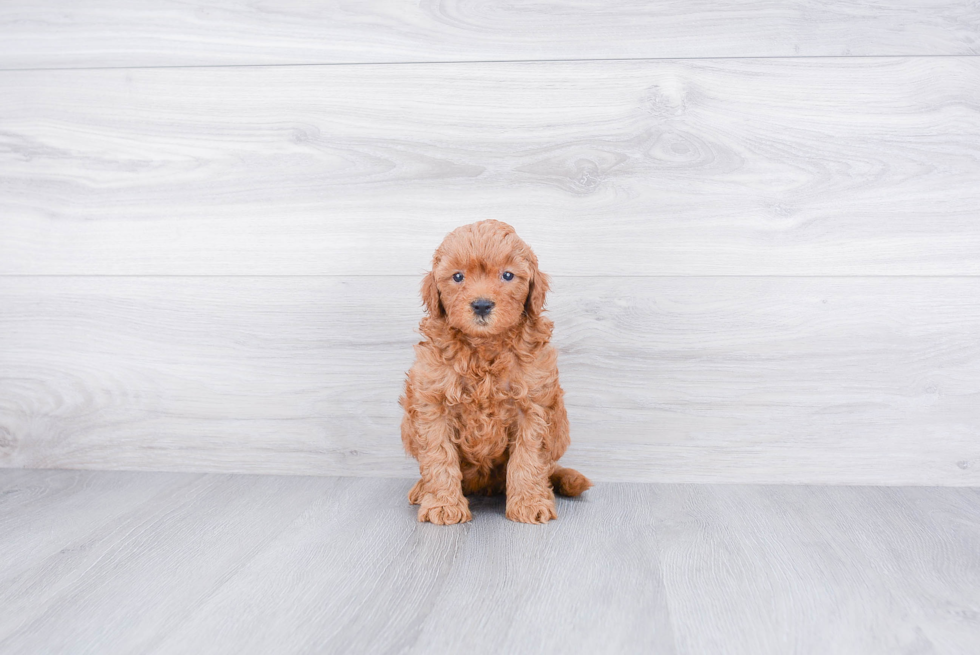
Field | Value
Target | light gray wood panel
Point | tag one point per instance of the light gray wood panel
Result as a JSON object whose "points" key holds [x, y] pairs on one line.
{"points": [[253, 564], [820, 569], [393, 585], [841, 380], [775, 167], [56, 33], [33, 506], [66, 599]]}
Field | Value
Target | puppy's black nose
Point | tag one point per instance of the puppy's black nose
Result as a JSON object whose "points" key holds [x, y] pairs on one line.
{"points": [[481, 306]]}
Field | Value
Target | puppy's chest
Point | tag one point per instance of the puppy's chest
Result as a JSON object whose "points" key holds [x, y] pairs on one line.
{"points": [[488, 393], [486, 417]]}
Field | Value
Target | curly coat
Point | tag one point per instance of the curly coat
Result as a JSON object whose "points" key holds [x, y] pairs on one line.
{"points": [[484, 413]]}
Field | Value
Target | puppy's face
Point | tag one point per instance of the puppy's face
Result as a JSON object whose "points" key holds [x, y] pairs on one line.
{"points": [[482, 279], [483, 297]]}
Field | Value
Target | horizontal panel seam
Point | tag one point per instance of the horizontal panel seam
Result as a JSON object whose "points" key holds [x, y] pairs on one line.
{"points": [[497, 61], [552, 276]]}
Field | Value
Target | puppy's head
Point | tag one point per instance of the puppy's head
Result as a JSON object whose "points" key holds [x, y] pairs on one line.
{"points": [[484, 279]]}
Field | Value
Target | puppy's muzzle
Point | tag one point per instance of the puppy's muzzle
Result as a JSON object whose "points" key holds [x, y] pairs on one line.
{"points": [[482, 307]]}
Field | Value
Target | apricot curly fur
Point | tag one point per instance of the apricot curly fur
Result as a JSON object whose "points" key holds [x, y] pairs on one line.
{"points": [[484, 411]]}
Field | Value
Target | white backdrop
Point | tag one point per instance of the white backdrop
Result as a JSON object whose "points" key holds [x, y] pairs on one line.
{"points": [[764, 229]]}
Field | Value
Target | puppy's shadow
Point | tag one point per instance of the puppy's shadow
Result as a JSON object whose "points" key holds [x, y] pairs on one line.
{"points": [[494, 505], [497, 505]]}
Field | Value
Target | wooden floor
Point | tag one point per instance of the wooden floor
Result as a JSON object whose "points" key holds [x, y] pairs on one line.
{"points": [[113, 562]]}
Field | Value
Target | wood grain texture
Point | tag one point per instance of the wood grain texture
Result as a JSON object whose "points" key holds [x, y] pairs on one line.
{"points": [[69, 597], [737, 167], [752, 569], [100, 33], [839, 380], [253, 564]]}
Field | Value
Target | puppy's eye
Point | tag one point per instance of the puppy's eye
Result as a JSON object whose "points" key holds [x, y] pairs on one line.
{"points": [[457, 277], [508, 276]]}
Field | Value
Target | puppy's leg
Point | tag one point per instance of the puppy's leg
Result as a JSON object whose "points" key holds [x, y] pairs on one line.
{"points": [[530, 498], [567, 482], [442, 500], [410, 439], [415, 493]]}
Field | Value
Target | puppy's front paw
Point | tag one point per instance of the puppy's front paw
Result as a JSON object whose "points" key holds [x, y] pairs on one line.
{"points": [[531, 510], [444, 511]]}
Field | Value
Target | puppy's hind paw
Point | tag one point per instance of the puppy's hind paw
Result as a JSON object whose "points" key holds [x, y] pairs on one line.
{"points": [[444, 511], [416, 493]]}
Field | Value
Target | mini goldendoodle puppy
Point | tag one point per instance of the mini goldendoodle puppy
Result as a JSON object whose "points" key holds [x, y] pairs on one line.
{"points": [[483, 408]]}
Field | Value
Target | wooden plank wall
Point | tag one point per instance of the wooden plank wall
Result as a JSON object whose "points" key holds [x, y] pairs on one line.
{"points": [[125, 33], [763, 220]]}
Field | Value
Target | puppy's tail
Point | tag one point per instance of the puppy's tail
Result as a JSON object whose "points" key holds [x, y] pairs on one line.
{"points": [[569, 482]]}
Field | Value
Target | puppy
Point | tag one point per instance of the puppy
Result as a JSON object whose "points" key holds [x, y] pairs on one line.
{"points": [[484, 412]]}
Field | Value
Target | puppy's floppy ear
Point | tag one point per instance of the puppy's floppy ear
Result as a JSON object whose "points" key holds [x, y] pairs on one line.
{"points": [[537, 289], [430, 296]]}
